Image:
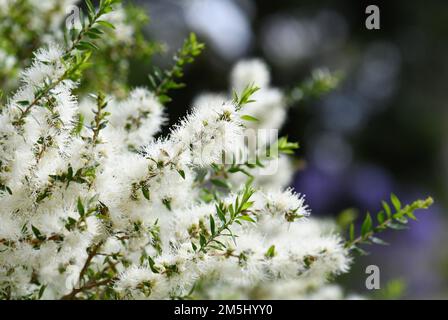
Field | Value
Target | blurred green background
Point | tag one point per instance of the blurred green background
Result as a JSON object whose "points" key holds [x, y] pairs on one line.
{"points": [[383, 130]]}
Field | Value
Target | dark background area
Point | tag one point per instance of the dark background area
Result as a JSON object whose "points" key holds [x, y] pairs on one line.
{"points": [[383, 130]]}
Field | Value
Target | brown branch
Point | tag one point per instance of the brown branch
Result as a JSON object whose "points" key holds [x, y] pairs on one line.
{"points": [[89, 285], [91, 255]]}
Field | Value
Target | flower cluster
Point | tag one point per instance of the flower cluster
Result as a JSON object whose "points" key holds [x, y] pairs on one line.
{"points": [[95, 204]]}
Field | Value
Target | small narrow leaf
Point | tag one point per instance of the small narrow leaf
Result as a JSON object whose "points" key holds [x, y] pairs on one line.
{"points": [[152, 265], [105, 24], [411, 215], [220, 214], [246, 218], [380, 217], [387, 209], [366, 225], [182, 173], [37, 233], [212, 225], [271, 252], [247, 117], [202, 240], [247, 205], [395, 201], [145, 192], [41, 291], [80, 207], [220, 183]]}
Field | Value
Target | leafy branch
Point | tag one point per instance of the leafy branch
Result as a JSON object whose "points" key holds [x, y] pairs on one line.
{"points": [[74, 67], [387, 219], [220, 172], [99, 122], [320, 82], [75, 62], [282, 146], [227, 214], [245, 97], [164, 81], [91, 29]]}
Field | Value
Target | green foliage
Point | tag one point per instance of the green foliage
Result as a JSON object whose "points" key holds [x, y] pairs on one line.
{"points": [[83, 40], [226, 215], [83, 175], [99, 122], [346, 218], [163, 81], [112, 57], [245, 96], [386, 219], [282, 146], [271, 252], [110, 74], [394, 289], [215, 227]]}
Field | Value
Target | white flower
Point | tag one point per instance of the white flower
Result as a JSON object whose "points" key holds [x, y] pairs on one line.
{"points": [[85, 207], [140, 283], [249, 72]]}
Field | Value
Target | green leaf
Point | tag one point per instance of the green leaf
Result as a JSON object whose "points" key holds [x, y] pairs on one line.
{"points": [[220, 183], [247, 205], [182, 173], [90, 6], [202, 240], [321, 82], [395, 201], [69, 173], [380, 217], [167, 203], [378, 241], [37, 233], [23, 103], [220, 244], [232, 212], [163, 98], [246, 218], [247, 117], [271, 252], [212, 225], [366, 225], [245, 96], [411, 215], [352, 232], [283, 146], [145, 192], [152, 265], [86, 45], [80, 207], [41, 291], [387, 209], [220, 214], [92, 35]]}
